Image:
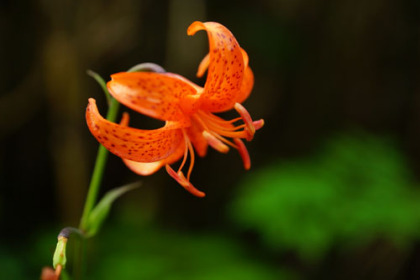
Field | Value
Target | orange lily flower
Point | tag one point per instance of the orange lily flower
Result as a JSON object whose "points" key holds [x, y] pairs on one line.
{"points": [[187, 109]]}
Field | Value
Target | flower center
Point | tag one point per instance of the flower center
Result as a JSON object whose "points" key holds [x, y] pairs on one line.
{"points": [[216, 132]]}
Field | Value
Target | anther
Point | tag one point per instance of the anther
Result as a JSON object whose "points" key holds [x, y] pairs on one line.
{"points": [[243, 152], [215, 143], [180, 178], [258, 124], [246, 117]]}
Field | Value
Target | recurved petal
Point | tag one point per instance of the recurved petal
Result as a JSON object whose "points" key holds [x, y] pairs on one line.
{"points": [[134, 144], [143, 168], [148, 168], [247, 82], [153, 94], [226, 67]]}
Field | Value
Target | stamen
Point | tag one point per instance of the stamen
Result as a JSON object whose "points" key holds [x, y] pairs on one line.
{"points": [[180, 178], [220, 125], [125, 119], [243, 152], [224, 140], [215, 143], [192, 159], [258, 124], [226, 130], [217, 119], [184, 160], [247, 120]]}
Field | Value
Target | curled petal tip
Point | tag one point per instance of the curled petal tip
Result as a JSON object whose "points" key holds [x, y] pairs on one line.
{"points": [[91, 101], [194, 27]]}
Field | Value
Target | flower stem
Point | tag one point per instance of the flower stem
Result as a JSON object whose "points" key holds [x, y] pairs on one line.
{"points": [[98, 171]]}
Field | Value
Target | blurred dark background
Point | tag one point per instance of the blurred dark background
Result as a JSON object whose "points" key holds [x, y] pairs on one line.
{"points": [[334, 189]]}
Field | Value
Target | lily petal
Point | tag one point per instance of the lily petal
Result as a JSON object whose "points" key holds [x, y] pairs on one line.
{"points": [[153, 94], [247, 85], [148, 168], [226, 67], [247, 82], [143, 168], [134, 144]]}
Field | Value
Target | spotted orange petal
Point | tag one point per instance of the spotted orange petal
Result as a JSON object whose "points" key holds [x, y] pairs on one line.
{"points": [[247, 82], [143, 168], [156, 95], [148, 168], [134, 144], [226, 67]]}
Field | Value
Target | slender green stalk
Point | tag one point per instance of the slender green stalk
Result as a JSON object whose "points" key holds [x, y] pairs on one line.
{"points": [[79, 267], [102, 83], [98, 171]]}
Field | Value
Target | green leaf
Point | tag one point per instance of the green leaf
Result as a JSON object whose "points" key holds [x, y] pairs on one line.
{"points": [[102, 83], [101, 210]]}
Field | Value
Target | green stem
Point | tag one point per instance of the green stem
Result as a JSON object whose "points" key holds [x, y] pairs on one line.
{"points": [[102, 83], [98, 171], [79, 268]]}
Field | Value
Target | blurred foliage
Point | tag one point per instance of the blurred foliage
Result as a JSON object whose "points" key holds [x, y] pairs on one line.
{"points": [[124, 252], [24, 261], [356, 190], [148, 252], [10, 265], [320, 67]]}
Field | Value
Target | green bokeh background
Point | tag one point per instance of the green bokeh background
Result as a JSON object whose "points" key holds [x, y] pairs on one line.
{"points": [[333, 192]]}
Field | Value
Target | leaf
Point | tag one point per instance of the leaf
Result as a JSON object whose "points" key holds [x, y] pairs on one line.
{"points": [[102, 83], [101, 210]]}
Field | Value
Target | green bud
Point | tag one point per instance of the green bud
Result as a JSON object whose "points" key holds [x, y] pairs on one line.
{"points": [[60, 252]]}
